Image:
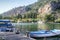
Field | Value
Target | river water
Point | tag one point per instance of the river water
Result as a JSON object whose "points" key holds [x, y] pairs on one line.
{"points": [[23, 27]]}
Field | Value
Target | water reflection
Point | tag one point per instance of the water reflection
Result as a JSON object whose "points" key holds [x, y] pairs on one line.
{"points": [[36, 26], [49, 26], [23, 27]]}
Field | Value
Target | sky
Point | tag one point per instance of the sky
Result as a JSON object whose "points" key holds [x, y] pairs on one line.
{"points": [[6, 5]]}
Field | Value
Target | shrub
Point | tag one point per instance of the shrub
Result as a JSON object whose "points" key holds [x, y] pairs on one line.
{"points": [[57, 20]]}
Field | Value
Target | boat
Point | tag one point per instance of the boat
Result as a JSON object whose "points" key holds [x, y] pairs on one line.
{"points": [[6, 26], [44, 33]]}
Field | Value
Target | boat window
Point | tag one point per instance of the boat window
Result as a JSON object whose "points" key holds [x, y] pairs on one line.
{"points": [[9, 23]]}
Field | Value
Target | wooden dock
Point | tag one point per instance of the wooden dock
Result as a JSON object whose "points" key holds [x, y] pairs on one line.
{"points": [[13, 36]]}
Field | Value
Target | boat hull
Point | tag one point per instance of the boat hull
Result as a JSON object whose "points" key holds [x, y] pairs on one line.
{"points": [[41, 34]]}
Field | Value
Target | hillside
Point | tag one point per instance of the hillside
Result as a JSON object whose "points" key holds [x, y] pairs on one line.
{"points": [[15, 11], [48, 10], [22, 10]]}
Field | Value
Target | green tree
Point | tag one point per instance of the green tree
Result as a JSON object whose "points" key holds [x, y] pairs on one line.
{"points": [[31, 14], [7, 18], [50, 17], [18, 16], [1, 17]]}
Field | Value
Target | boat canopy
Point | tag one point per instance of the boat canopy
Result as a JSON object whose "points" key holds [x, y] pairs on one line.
{"points": [[5, 21]]}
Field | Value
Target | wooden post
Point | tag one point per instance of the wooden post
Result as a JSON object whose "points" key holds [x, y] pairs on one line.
{"points": [[45, 38], [27, 33]]}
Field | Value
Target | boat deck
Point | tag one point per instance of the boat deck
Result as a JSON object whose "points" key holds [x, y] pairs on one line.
{"points": [[13, 36]]}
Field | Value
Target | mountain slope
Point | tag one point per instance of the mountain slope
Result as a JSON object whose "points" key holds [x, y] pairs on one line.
{"points": [[25, 9], [22, 10], [15, 11]]}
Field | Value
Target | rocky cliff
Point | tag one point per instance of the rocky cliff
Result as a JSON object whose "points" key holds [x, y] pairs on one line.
{"points": [[52, 7]]}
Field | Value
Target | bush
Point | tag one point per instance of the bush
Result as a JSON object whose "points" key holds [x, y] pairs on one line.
{"points": [[50, 18], [57, 21]]}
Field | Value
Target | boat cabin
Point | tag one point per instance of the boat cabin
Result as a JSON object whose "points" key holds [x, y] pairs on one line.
{"points": [[6, 26]]}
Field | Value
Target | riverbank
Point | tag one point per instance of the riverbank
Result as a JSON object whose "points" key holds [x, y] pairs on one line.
{"points": [[13, 36]]}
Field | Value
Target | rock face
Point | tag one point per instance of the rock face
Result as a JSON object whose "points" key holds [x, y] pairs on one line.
{"points": [[45, 9], [52, 6]]}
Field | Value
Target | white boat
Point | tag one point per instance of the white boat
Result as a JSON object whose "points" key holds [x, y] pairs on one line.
{"points": [[44, 33]]}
